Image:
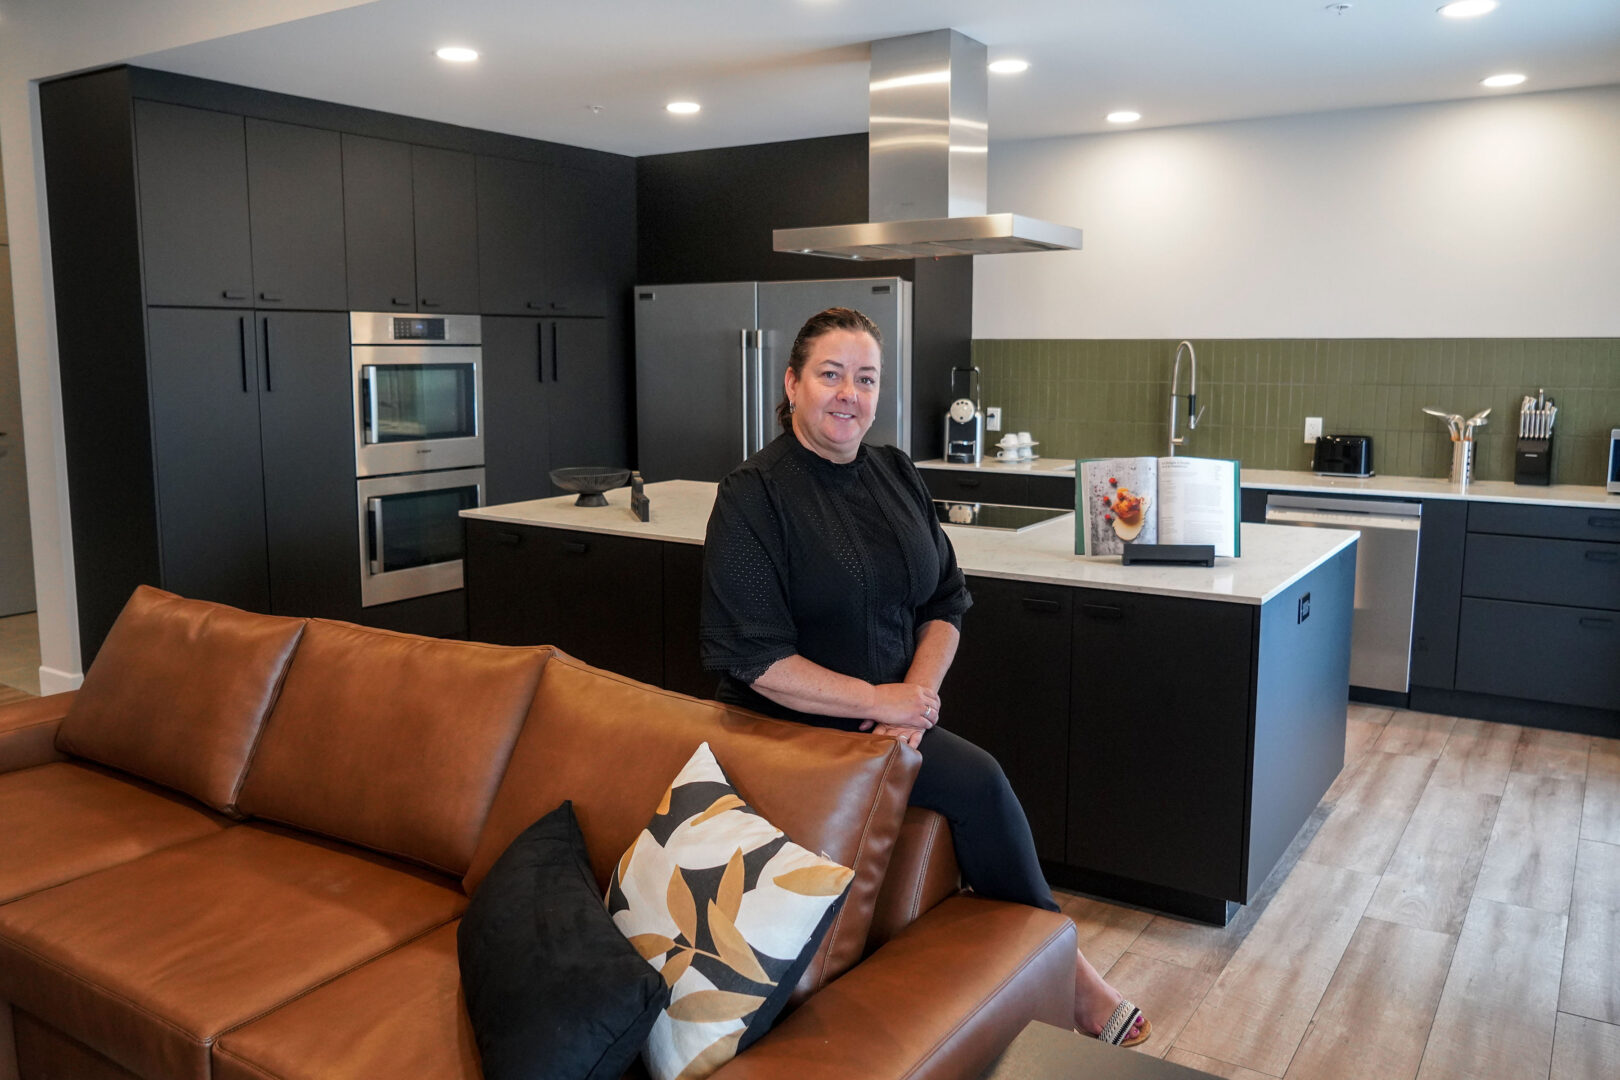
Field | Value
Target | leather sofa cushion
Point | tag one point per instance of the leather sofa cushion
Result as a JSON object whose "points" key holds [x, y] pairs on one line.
{"points": [[66, 820], [148, 962], [28, 730], [611, 745], [392, 741], [179, 692], [399, 1016]]}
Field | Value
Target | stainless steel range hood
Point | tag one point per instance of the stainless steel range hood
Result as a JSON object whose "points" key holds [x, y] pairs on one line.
{"points": [[929, 142]]}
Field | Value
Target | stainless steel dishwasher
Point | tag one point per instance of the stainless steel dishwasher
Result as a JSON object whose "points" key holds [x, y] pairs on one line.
{"points": [[1386, 577]]}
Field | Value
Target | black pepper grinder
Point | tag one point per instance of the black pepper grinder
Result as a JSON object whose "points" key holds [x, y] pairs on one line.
{"points": [[639, 504]]}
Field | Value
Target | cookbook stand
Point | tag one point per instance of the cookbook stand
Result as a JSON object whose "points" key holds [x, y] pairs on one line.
{"points": [[1170, 554]]}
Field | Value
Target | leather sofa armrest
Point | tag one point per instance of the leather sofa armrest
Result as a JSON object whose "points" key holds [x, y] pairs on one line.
{"points": [[940, 1000], [28, 731]]}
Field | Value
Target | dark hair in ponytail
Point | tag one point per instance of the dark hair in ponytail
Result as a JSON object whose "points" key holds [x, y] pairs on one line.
{"points": [[825, 322]]}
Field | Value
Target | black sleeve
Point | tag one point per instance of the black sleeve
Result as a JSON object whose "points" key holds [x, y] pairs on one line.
{"points": [[746, 621], [951, 597]]}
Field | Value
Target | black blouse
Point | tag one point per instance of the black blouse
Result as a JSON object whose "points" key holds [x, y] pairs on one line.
{"points": [[839, 563]]}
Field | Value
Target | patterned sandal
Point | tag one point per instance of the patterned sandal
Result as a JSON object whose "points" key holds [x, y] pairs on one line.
{"points": [[1122, 1030]]}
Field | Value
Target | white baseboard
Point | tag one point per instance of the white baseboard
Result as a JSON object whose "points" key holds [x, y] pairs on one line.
{"points": [[52, 681]]}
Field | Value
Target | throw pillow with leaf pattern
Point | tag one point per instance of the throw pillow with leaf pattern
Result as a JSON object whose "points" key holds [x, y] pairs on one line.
{"points": [[730, 912]]}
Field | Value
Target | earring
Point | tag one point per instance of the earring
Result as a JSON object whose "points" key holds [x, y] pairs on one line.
{"points": [[791, 408]]}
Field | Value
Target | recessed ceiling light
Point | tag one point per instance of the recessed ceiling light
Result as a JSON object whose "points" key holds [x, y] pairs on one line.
{"points": [[1467, 9], [1009, 67], [1505, 79], [683, 108], [457, 54], [1124, 116]]}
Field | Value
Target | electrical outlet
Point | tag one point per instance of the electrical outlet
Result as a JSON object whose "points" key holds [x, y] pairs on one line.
{"points": [[1313, 428], [992, 418]]}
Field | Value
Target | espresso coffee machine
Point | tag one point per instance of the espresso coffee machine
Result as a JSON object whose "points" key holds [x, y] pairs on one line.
{"points": [[964, 423]]}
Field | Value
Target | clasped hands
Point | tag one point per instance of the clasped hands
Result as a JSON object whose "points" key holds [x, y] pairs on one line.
{"points": [[902, 710]]}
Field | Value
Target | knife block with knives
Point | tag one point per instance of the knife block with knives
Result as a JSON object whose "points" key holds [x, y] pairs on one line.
{"points": [[1532, 461]]}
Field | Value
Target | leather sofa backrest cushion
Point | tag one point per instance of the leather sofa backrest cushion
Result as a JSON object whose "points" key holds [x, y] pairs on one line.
{"points": [[179, 693], [392, 741], [611, 745]]}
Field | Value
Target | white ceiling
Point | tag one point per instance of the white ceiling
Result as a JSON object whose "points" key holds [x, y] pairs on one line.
{"points": [[784, 69]]}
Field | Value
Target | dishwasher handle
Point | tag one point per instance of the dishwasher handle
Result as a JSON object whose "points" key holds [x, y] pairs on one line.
{"points": [[1338, 520]]}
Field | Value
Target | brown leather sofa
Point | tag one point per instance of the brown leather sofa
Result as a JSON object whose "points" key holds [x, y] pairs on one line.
{"points": [[241, 850]]}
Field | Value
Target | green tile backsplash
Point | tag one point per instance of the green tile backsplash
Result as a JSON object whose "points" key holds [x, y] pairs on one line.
{"points": [[1111, 397]]}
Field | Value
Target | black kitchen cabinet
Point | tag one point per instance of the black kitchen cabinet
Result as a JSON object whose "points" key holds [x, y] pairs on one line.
{"points": [[554, 393], [977, 485], [307, 441], [541, 231], [411, 218], [295, 200], [204, 376], [1008, 692], [446, 222], [1051, 490], [1540, 652], [1159, 748], [597, 597], [683, 598], [193, 186]]}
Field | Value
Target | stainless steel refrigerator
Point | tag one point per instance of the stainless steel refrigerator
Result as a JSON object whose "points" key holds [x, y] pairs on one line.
{"points": [[710, 358]]}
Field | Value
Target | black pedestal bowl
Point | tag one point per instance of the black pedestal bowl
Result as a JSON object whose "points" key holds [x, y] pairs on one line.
{"points": [[590, 481]]}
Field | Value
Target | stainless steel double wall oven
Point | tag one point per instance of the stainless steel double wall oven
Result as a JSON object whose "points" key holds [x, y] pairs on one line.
{"points": [[418, 448]]}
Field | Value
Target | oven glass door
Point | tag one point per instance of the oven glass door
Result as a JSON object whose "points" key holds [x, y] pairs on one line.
{"points": [[412, 402], [411, 534]]}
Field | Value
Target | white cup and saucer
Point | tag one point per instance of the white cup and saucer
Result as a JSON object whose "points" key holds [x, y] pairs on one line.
{"points": [[1015, 447]]}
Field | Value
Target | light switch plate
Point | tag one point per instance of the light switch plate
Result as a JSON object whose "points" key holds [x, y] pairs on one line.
{"points": [[1313, 428], [992, 418]]}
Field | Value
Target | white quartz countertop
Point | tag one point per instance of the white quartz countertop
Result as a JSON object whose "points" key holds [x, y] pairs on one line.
{"points": [[1274, 556], [1407, 487]]}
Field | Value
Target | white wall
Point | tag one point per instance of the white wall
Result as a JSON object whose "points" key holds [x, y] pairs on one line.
{"points": [[1495, 217], [40, 39]]}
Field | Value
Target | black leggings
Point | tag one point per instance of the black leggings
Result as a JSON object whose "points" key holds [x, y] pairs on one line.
{"points": [[994, 846]]}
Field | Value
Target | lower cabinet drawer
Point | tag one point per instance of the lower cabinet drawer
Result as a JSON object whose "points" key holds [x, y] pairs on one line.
{"points": [[1540, 652], [972, 485], [1056, 492], [1572, 572], [1569, 522]]}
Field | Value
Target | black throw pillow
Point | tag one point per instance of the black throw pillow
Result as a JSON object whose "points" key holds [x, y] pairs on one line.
{"points": [[554, 990]]}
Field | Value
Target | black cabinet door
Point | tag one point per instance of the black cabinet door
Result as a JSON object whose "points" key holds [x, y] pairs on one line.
{"points": [[192, 166], [1008, 691], [589, 394], [446, 229], [517, 416], [683, 598], [295, 194], [511, 237], [597, 597], [205, 432], [1438, 599], [307, 436], [378, 224], [1540, 652], [1159, 745], [578, 208]]}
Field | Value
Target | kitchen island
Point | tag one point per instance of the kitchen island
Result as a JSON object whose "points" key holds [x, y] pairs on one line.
{"points": [[1168, 729]]}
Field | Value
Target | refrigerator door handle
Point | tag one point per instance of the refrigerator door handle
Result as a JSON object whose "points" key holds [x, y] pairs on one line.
{"points": [[762, 426], [744, 349]]}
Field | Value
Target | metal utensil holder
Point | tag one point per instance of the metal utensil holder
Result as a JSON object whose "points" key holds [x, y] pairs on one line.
{"points": [[1462, 462]]}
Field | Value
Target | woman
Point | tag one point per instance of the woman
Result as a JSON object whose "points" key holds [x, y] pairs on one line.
{"points": [[832, 597]]}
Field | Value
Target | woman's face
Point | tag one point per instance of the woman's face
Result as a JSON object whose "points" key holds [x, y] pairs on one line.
{"points": [[835, 398]]}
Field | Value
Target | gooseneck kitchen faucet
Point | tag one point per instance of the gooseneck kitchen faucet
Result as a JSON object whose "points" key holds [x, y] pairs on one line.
{"points": [[1194, 413]]}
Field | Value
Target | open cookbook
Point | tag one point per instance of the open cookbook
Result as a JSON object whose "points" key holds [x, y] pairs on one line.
{"points": [[1168, 500]]}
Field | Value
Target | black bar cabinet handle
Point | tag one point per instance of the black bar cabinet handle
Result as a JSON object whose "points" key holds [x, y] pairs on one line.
{"points": [[1102, 611], [540, 352], [1033, 604], [269, 387], [575, 547], [1593, 622], [510, 539], [553, 352], [241, 345], [400, 301], [535, 305], [968, 482], [274, 298], [426, 302], [1604, 521], [1603, 556], [558, 307], [233, 294]]}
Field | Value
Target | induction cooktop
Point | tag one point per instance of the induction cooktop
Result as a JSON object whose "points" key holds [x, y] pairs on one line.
{"points": [[994, 515]]}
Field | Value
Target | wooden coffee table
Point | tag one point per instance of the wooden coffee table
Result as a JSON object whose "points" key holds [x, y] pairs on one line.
{"points": [[1044, 1052]]}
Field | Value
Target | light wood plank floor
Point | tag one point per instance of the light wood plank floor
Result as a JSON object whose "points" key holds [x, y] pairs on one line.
{"points": [[1452, 909], [19, 653]]}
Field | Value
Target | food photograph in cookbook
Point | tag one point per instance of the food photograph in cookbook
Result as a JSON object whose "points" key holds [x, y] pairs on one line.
{"points": [[1117, 504]]}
